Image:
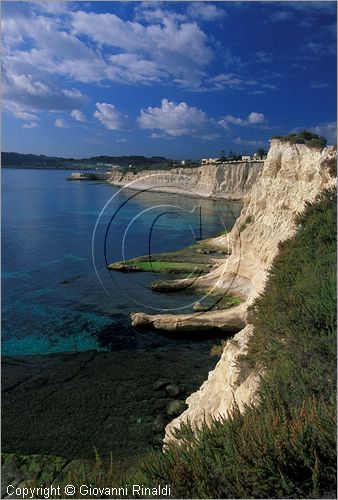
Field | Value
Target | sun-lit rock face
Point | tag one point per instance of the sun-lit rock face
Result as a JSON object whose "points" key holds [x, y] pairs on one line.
{"points": [[231, 181], [291, 176]]}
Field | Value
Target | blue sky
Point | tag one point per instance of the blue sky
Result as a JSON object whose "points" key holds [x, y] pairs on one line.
{"points": [[179, 79]]}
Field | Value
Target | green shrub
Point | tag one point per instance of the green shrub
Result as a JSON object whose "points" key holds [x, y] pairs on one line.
{"points": [[275, 453], [304, 137], [295, 318], [286, 447]]}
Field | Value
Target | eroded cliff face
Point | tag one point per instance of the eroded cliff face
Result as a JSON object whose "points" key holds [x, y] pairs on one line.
{"points": [[230, 181], [292, 175]]}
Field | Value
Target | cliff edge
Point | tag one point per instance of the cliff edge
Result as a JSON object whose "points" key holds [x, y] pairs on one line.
{"points": [[230, 181], [291, 176]]}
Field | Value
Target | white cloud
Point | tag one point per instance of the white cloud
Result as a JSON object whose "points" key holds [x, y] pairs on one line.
{"points": [[25, 83], [328, 130], [205, 11], [60, 123], [132, 68], [177, 120], [154, 135], [111, 118], [78, 115], [318, 85], [230, 80], [280, 16], [322, 49], [234, 81], [154, 12], [22, 115], [247, 142], [48, 7], [180, 50], [253, 118], [30, 125], [24, 96]]}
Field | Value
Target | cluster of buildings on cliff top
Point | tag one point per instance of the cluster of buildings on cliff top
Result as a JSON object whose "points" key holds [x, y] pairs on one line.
{"points": [[239, 158]]}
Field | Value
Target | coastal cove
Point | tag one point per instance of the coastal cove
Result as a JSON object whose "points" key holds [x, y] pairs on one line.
{"points": [[70, 355], [53, 300]]}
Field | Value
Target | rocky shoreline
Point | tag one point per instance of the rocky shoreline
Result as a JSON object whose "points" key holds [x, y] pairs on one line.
{"points": [[67, 404], [292, 175]]}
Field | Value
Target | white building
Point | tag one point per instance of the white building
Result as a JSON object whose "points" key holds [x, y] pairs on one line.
{"points": [[208, 161]]}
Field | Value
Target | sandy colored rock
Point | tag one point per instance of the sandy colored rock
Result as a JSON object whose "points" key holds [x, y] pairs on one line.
{"points": [[230, 181], [292, 175], [229, 320]]}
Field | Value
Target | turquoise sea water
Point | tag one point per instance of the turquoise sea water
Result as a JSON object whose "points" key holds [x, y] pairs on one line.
{"points": [[48, 225]]}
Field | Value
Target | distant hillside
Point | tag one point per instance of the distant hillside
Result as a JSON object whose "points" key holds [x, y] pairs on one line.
{"points": [[42, 161]]}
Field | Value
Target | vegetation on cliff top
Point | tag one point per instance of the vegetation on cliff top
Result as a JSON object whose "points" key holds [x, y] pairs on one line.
{"points": [[287, 446], [304, 137]]}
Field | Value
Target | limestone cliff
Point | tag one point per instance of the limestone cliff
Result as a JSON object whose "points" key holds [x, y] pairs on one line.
{"points": [[292, 175], [231, 181]]}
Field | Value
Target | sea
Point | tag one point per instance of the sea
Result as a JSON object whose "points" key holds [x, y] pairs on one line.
{"points": [[58, 237]]}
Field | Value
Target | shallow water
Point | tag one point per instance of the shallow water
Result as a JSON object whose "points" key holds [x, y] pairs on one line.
{"points": [[48, 225]]}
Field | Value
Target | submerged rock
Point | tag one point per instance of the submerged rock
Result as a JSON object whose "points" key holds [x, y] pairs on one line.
{"points": [[173, 390], [159, 423], [161, 383], [176, 407]]}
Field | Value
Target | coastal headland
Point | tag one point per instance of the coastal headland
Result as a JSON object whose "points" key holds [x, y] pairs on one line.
{"points": [[93, 392], [292, 175]]}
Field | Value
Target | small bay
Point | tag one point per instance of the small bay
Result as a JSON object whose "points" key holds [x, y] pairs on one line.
{"points": [[53, 300]]}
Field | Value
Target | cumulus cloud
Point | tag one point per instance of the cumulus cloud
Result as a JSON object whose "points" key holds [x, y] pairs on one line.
{"points": [[154, 12], [328, 130], [180, 50], [177, 120], [205, 11], [133, 68], [24, 96], [60, 123], [110, 117], [42, 43], [25, 83], [78, 115], [253, 118]]}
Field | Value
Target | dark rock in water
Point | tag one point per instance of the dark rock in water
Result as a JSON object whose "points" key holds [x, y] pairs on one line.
{"points": [[161, 383], [159, 423], [173, 390], [156, 440], [95, 399], [176, 407], [170, 286], [70, 280], [124, 267]]}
